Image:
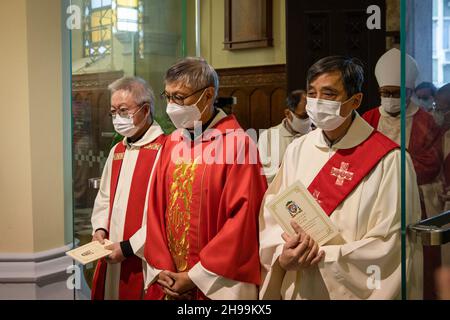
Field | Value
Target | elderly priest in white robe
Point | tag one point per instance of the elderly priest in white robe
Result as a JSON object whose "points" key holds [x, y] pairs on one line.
{"points": [[353, 172], [120, 206]]}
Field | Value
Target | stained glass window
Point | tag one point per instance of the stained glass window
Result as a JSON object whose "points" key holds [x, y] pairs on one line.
{"points": [[97, 28], [105, 17], [129, 15]]}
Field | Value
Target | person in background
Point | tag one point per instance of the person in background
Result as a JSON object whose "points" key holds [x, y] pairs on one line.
{"points": [[423, 141], [441, 110], [424, 95], [273, 142], [443, 283], [442, 117]]}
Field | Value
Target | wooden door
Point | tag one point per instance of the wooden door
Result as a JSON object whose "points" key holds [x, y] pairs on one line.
{"points": [[316, 29]]}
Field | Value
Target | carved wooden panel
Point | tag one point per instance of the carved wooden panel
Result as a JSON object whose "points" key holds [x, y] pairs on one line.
{"points": [[317, 35], [92, 131], [248, 24], [260, 93], [316, 29]]}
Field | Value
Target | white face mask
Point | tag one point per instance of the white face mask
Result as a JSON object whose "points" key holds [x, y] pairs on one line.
{"points": [[125, 126], [185, 116], [424, 103], [301, 126], [325, 114], [391, 105]]}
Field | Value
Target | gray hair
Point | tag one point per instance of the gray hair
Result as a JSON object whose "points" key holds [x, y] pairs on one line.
{"points": [[195, 73], [139, 89]]}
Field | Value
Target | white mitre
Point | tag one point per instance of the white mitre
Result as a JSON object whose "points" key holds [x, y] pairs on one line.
{"points": [[387, 70]]}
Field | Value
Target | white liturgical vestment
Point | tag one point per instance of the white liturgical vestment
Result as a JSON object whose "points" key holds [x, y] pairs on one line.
{"points": [[272, 145], [367, 263], [101, 206]]}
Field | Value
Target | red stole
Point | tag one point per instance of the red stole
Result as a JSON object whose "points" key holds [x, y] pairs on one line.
{"points": [[346, 169], [131, 276]]}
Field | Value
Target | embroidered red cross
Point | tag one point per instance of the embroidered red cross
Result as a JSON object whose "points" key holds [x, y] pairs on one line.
{"points": [[342, 174], [316, 195]]}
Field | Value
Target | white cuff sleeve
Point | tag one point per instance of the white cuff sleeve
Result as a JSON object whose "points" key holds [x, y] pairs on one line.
{"points": [[137, 242], [150, 275], [216, 287]]}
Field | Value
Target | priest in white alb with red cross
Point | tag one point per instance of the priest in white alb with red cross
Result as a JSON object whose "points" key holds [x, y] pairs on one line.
{"points": [[353, 172], [120, 208]]}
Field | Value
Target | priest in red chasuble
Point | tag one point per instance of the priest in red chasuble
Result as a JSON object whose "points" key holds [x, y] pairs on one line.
{"points": [[202, 227]]}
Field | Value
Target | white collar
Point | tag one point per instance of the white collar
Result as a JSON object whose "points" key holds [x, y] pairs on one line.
{"points": [[187, 133], [219, 116], [152, 133], [358, 132]]}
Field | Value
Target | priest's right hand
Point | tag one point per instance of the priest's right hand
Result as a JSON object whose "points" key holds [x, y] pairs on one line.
{"points": [[169, 284], [99, 236], [300, 251]]}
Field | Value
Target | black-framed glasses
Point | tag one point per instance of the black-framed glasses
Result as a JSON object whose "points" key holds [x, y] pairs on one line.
{"points": [[389, 94], [124, 112], [178, 99]]}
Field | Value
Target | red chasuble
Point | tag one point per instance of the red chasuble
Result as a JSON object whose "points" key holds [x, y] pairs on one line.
{"points": [[347, 168], [204, 211], [425, 144], [131, 276]]}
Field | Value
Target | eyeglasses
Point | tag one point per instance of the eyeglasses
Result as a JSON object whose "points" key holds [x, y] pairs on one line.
{"points": [[123, 112], [178, 99], [390, 94]]}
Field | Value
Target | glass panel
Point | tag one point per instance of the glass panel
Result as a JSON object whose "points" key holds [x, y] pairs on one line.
{"points": [[446, 6], [138, 47], [427, 139], [446, 73], [127, 26], [127, 14], [127, 3], [95, 4]]}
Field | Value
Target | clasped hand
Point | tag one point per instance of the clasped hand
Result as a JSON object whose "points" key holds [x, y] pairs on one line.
{"points": [[299, 251]]}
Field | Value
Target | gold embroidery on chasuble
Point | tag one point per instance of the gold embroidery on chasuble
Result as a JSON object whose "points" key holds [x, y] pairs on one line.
{"points": [[153, 146], [118, 156], [179, 213]]}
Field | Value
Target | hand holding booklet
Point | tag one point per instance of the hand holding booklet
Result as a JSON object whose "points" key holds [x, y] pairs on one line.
{"points": [[90, 252], [296, 203]]}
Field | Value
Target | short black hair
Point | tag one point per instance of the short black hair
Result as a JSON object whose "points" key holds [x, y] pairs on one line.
{"points": [[445, 89], [294, 98], [427, 85], [351, 69]]}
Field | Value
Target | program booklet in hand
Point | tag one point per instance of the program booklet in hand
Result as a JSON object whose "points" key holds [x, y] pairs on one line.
{"points": [[296, 203], [90, 252]]}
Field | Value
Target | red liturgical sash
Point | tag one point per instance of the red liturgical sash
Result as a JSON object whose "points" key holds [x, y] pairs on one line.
{"points": [[346, 169], [131, 277]]}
